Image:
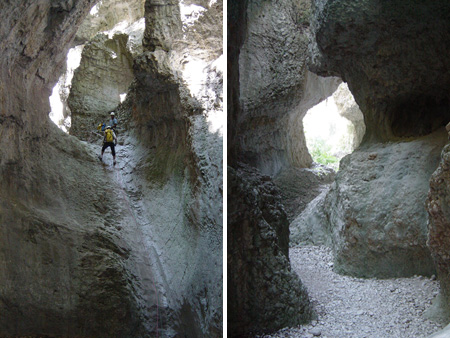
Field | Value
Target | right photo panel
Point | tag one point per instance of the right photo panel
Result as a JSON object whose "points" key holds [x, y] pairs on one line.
{"points": [[338, 168]]}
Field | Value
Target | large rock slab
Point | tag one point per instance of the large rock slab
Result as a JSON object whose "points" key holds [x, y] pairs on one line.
{"points": [[311, 225], [375, 209]]}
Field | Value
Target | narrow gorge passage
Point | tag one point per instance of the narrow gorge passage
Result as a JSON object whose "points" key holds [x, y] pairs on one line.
{"points": [[92, 250], [386, 214]]}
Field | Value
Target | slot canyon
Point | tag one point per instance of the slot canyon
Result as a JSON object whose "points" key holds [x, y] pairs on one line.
{"points": [[99, 249], [370, 241]]}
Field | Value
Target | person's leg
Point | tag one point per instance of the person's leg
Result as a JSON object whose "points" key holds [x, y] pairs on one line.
{"points": [[113, 152], [103, 150]]}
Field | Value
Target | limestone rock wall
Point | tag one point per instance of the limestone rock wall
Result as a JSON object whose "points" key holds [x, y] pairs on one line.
{"points": [[105, 73], [390, 55], [264, 294], [89, 251], [176, 159], [66, 270], [262, 97], [437, 205], [106, 14], [273, 86]]}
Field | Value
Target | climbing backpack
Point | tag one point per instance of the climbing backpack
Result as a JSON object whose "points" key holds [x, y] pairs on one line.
{"points": [[101, 127], [109, 136]]}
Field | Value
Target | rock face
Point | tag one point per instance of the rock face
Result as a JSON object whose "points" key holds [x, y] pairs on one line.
{"points": [[390, 54], [177, 160], [259, 268], [105, 72], [437, 206], [106, 14], [311, 225], [374, 211], [300, 186], [266, 103], [67, 271], [274, 85], [370, 216], [349, 109], [89, 251]]}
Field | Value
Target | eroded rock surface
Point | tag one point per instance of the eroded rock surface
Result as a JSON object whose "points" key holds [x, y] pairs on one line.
{"points": [[438, 210], [259, 268], [273, 86], [390, 54], [311, 225], [375, 208], [107, 14], [67, 271], [261, 106], [93, 250], [105, 73], [349, 109], [299, 186], [177, 159]]}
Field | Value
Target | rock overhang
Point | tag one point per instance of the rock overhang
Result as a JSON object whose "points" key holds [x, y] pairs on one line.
{"points": [[392, 54]]}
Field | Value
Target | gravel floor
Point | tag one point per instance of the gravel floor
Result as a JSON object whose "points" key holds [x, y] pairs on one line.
{"points": [[360, 308]]}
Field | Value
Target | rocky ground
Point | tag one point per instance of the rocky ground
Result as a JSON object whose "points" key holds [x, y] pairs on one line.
{"points": [[360, 308]]}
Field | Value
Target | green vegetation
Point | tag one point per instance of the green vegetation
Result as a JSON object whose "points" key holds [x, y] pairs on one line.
{"points": [[321, 153]]}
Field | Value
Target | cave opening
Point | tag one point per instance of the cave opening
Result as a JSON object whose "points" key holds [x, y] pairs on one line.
{"points": [[60, 112], [333, 128]]}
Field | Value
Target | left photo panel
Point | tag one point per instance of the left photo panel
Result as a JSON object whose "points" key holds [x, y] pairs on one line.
{"points": [[111, 168]]}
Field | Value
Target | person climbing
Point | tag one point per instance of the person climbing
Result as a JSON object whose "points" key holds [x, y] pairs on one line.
{"points": [[113, 122], [110, 140]]}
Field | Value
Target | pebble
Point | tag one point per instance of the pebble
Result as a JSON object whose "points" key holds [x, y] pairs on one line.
{"points": [[315, 332]]}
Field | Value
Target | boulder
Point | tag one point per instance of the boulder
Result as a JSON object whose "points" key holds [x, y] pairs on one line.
{"points": [[374, 210], [299, 186], [311, 226], [390, 55]]}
